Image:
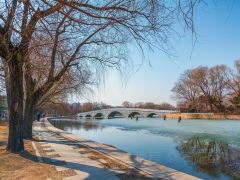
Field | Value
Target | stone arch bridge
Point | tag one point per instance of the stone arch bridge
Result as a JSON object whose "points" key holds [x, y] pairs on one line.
{"points": [[123, 112]]}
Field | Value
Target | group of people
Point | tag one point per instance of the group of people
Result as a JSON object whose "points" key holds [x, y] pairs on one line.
{"points": [[179, 118]]}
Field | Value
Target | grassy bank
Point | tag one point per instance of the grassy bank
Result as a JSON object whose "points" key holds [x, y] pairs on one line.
{"points": [[201, 116]]}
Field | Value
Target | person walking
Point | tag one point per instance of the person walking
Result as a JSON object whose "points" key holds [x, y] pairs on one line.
{"points": [[38, 116]]}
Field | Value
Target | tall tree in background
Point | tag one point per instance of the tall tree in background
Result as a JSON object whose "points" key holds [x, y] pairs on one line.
{"points": [[126, 104], [186, 89], [218, 86], [233, 82], [85, 31], [213, 86]]}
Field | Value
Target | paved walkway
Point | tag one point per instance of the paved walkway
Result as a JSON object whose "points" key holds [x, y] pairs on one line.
{"points": [[78, 158]]}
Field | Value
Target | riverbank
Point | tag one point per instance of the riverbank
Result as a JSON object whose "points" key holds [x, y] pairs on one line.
{"points": [[207, 116], [123, 165]]}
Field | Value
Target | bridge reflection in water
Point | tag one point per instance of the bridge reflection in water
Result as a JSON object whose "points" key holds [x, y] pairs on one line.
{"points": [[73, 124], [211, 156], [123, 112]]}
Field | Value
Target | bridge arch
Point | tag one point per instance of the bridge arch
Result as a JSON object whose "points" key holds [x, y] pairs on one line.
{"points": [[88, 116], [99, 116], [151, 115], [115, 114], [133, 114]]}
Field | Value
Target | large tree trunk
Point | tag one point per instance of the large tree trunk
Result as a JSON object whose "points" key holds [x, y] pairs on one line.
{"points": [[15, 138], [29, 102], [6, 74], [28, 118]]}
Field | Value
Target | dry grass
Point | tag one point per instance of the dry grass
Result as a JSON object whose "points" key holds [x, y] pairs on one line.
{"points": [[24, 165]]}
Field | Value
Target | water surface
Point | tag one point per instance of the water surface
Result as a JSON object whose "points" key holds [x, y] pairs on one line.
{"points": [[209, 149]]}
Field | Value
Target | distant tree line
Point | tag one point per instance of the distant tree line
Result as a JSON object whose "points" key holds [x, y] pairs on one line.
{"points": [[148, 105], [66, 109], [214, 89]]}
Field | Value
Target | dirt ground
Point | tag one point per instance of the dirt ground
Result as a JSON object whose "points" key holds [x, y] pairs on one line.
{"points": [[23, 165]]}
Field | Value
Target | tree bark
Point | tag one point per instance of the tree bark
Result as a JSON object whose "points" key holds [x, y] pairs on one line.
{"points": [[6, 73], [29, 102], [28, 118], [15, 96]]}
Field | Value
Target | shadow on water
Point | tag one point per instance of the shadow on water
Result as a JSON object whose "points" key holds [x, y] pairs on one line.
{"points": [[87, 124], [211, 156]]}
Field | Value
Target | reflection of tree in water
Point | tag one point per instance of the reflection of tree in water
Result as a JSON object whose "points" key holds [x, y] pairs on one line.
{"points": [[73, 125], [211, 156]]}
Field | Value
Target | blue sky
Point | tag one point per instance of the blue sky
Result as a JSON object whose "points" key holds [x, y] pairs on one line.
{"points": [[218, 42]]}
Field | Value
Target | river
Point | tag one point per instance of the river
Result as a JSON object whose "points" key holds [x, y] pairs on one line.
{"points": [[209, 149]]}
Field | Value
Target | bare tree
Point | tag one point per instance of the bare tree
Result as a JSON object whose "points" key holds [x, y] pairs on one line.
{"points": [[233, 82], [126, 104], [218, 86], [204, 85], [74, 81], [186, 89], [204, 79], [78, 28], [233, 78]]}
